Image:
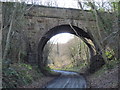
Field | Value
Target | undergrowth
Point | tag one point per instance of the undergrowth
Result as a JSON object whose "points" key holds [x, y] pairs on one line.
{"points": [[19, 74]]}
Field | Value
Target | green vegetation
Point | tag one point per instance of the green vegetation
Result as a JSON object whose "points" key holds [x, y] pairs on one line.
{"points": [[20, 74], [76, 69], [109, 54]]}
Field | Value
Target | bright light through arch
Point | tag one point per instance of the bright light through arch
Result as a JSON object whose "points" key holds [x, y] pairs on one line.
{"points": [[61, 38]]}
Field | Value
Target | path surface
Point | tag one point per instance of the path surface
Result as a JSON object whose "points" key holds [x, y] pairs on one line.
{"points": [[67, 80]]}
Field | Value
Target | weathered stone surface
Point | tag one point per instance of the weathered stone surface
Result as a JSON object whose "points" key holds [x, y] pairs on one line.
{"points": [[41, 19]]}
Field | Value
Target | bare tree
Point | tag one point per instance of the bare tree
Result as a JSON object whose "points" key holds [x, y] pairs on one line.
{"points": [[14, 31], [105, 23]]}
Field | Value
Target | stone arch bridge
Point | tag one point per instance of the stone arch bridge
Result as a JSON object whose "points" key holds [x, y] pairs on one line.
{"points": [[45, 22]]}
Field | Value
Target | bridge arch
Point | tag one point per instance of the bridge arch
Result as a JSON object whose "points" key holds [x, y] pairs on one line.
{"points": [[66, 28]]}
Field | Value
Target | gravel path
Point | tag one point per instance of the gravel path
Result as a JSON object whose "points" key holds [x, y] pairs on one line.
{"points": [[68, 80]]}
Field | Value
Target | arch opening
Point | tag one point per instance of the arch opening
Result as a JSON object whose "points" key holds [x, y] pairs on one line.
{"points": [[64, 29], [66, 51]]}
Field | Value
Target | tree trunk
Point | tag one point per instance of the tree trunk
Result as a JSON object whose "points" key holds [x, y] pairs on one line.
{"points": [[119, 30], [100, 44], [8, 36]]}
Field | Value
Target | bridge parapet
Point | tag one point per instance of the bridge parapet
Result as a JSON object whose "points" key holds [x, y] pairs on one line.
{"points": [[60, 13]]}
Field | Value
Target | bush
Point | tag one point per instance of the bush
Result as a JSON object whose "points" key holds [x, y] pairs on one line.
{"points": [[109, 54], [20, 74]]}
